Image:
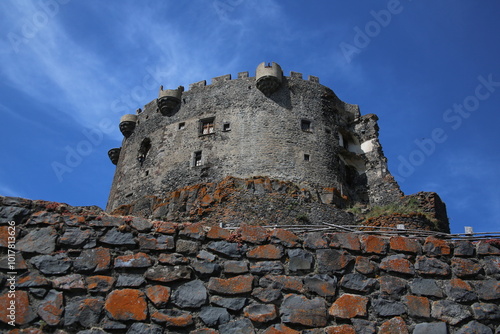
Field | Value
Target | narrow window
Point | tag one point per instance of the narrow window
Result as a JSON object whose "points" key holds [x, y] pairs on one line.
{"points": [[197, 159], [182, 126], [207, 126], [226, 127], [305, 125], [307, 157], [143, 150]]}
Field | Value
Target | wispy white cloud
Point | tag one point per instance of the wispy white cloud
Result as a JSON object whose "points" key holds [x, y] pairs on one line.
{"points": [[9, 192]]}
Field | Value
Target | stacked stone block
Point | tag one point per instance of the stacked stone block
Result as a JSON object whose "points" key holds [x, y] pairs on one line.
{"points": [[80, 270]]}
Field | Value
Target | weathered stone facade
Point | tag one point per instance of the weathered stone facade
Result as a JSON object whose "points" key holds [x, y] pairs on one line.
{"points": [[81, 270], [284, 128]]}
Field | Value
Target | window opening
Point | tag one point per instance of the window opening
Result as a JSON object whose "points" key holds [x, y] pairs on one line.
{"points": [[226, 127], [182, 126], [197, 159], [305, 125], [207, 126], [143, 150], [307, 157]]}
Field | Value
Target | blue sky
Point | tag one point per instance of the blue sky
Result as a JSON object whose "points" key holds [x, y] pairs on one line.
{"points": [[430, 70]]}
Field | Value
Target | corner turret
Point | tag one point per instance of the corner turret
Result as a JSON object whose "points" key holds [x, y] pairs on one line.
{"points": [[114, 155], [127, 124], [268, 77], [169, 100]]}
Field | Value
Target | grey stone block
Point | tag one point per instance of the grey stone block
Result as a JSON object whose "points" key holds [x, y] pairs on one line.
{"points": [[52, 264], [431, 328], [190, 295], [213, 316], [299, 260], [474, 327], [115, 237], [233, 304], [388, 308], [243, 326], [425, 287]]}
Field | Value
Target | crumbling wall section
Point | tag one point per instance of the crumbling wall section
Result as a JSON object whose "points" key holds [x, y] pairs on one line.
{"points": [[81, 270]]}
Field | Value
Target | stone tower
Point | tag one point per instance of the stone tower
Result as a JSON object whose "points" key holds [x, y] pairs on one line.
{"points": [[283, 128]]}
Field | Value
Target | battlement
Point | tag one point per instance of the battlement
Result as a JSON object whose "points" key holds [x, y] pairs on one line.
{"points": [[244, 75], [176, 94]]}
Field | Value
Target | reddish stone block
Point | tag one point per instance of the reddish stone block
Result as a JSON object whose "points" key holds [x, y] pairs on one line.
{"points": [[280, 329], [154, 242], [31, 280], [460, 291], [51, 308], [260, 312], [23, 312], [349, 306], [270, 252], [126, 304], [465, 267], [342, 329], [231, 286], [100, 283], [298, 309], [397, 264], [173, 318], [405, 244], [345, 240], [218, 233], [365, 266], [373, 244], [287, 238], [7, 232], [165, 227], [253, 234], [103, 259], [193, 231], [394, 326], [290, 283], [137, 260], [417, 306], [436, 247], [158, 294], [173, 259], [69, 282]]}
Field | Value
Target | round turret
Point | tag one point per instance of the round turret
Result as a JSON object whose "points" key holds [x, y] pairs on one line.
{"points": [[127, 124], [169, 100], [114, 155], [268, 77], [303, 134]]}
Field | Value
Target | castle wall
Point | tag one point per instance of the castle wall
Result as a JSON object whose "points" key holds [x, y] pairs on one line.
{"points": [[292, 135], [80, 270]]}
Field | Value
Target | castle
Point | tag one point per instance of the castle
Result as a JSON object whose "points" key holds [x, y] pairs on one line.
{"points": [[273, 126], [240, 150]]}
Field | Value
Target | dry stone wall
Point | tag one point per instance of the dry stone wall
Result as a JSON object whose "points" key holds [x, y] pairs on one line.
{"points": [[80, 270]]}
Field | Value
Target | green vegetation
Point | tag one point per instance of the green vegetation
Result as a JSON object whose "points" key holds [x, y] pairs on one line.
{"points": [[404, 207]]}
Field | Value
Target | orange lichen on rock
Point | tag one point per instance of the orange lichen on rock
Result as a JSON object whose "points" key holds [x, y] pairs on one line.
{"points": [[126, 304]]}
